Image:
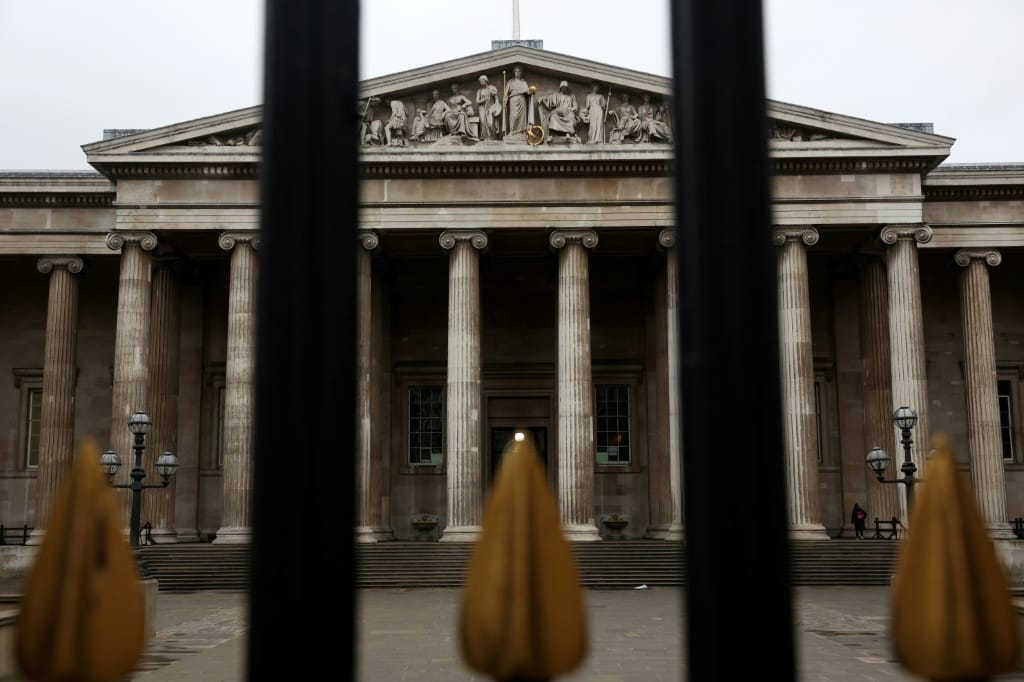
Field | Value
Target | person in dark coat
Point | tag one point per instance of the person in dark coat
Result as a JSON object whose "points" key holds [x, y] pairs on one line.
{"points": [[858, 517]]}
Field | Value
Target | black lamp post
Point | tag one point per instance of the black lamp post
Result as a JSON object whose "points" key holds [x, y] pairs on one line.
{"points": [[878, 460], [166, 465]]}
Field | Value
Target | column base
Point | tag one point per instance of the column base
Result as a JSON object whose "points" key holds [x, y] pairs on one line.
{"points": [[371, 534], [1001, 531], [164, 536], [657, 532], [36, 537], [233, 536], [581, 533], [676, 533], [810, 531], [461, 534]]}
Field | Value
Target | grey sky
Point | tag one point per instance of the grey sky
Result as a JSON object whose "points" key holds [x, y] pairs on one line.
{"points": [[75, 67]]}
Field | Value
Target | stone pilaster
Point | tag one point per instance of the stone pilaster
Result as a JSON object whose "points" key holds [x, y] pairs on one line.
{"points": [[797, 373], [236, 517], [57, 428], [667, 239], [158, 503], [980, 384], [575, 386], [369, 526], [131, 346], [463, 398], [906, 342], [883, 499]]}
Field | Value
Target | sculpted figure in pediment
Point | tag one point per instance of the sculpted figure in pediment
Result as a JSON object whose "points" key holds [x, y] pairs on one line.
{"points": [[434, 126], [594, 113], [371, 130], [394, 129], [456, 118], [488, 107], [654, 121], [560, 113], [517, 102], [628, 126]]}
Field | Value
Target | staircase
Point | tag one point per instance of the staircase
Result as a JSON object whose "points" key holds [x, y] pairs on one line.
{"points": [[618, 564]]}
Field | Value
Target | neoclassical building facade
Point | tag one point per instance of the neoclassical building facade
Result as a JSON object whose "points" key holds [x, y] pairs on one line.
{"points": [[515, 273]]}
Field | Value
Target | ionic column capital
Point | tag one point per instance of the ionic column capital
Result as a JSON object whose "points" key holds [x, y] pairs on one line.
{"points": [[449, 238], [72, 264], [992, 258], [559, 238], [922, 234], [146, 240], [808, 235], [228, 240], [667, 238], [368, 239]]}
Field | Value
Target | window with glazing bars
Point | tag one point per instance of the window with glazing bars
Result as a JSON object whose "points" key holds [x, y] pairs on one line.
{"points": [[611, 405], [426, 419]]}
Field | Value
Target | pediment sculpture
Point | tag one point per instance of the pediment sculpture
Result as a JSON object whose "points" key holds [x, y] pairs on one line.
{"points": [[523, 110]]}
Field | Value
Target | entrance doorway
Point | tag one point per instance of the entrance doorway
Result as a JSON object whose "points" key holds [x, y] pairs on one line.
{"points": [[501, 435]]}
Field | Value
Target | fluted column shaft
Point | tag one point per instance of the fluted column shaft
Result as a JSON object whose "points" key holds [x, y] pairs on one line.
{"points": [[131, 346], [575, 386], [667, 238], [57, 427], [797, 373], [463, 396], [236, 517], [368, 525], [158, 503], [980, 383], [906, 340], [882, 499]]}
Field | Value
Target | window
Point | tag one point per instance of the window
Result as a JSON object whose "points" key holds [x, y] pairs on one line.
{"points": [[1006, 425], [612, 438], [32, 427], [426, 417]]}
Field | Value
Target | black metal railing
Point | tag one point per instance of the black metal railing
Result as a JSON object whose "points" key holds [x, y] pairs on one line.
{"points": [[1018, 527], [14, 535], [893, 525]]}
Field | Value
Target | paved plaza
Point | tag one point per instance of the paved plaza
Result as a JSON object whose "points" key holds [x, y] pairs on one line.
{"points": [[636, 636]]}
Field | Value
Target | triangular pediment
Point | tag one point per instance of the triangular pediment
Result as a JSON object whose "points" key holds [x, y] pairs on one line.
{"points": [[794, 131]]}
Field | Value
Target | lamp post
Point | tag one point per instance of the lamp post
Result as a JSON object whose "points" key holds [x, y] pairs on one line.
{"points": [[166, 465], [904, 418]]}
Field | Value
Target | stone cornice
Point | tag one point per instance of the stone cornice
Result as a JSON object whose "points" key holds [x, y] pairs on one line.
{"points": [[808, 235], [991, 257], [48, 264], [922, 234], [147, 241], [228, 240], [974, 193], [559, 238], [57, 200], [449, 238], [368, 239], [194, 171], [667, 237]]}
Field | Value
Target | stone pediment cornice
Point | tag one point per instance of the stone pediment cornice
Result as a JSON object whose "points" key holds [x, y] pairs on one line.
{"points": [[975, 182], [535, 60]]}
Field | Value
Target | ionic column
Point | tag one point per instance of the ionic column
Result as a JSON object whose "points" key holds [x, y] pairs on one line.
{"points": [[57, 427], [882, 499], [463, 399], [980, 383], [906, 342], [667, 239], [797, 373], [369, 524], [575, 386], [131, 346], [236, 517], [158, 503]]}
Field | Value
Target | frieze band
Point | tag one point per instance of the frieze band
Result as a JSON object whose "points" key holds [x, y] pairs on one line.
{"points": [[992, 258], [227, 240], [72, 264], [449, 238], [559, 238], [808, 235], [147, 241]]}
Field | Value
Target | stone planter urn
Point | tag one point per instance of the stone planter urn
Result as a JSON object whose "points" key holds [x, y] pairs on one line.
{"points": [[615, 524]]}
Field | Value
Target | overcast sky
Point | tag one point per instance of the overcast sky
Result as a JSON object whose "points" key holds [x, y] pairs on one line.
{"points": [[74, 67]]}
